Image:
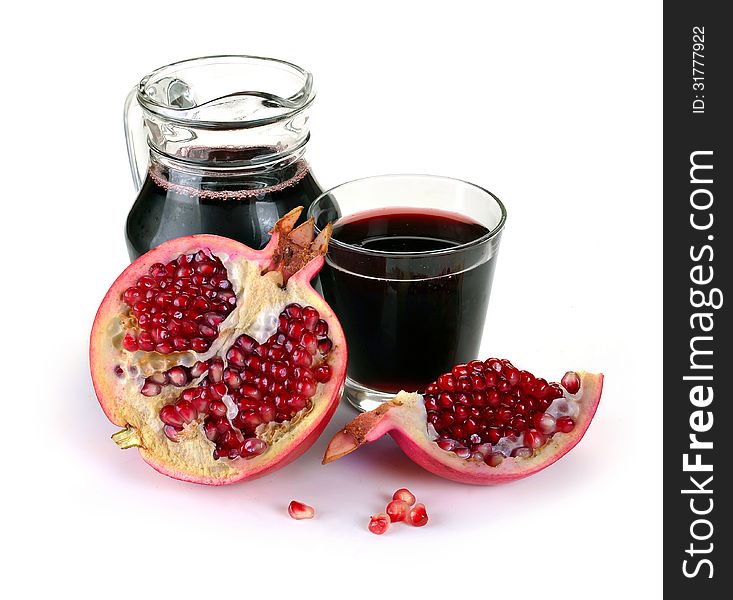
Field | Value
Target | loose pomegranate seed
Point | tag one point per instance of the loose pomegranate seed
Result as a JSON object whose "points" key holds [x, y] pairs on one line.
{"points": [[397, 510], [379, 523], [418, 515], [298, 510], [405, 495]]}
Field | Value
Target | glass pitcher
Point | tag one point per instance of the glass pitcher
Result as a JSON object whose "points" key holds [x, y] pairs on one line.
{"points": [[217, 145]]}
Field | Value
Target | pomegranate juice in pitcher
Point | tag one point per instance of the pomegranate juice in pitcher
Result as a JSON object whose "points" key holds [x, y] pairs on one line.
{"points": [[245, 208], [219, 147]]}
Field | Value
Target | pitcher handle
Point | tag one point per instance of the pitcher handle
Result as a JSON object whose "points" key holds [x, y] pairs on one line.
{"points": [[135, 137]]}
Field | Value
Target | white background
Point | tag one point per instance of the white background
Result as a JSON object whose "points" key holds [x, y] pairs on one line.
{"points": [[554, 106]]}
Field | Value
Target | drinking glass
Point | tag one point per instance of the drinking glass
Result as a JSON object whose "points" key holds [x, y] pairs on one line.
{"points": [[408, 273]]}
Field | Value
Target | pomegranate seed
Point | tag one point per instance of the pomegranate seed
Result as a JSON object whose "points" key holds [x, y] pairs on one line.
{"points": [[210, 430], [397, 510], [534, 439], [321, 329], [150, 389], [493, 364], [218, 408], [199, 368], [447, 382], [159, 377], [476, 366], [418, 515], [232, 379], [276, 352], [129, 343], [169, 415], [405, 495], [171, 432], [309, 341], [447, 444], [297, 403], [310, 319], [544, 422], [294, 310], [306, 386], [253, 446], [267, 413], [236, 357], [379, 523], [301, 357], [295, 330], [178, 376], [565, 424], [206, 331], [521, 452], [460, 413], [199, 345], [280, 372], [571, 382], [187, 411], [299, 511], [323, 374], [252, 362], [431, 403], [494, 460], [247, 343], [462, 452]]}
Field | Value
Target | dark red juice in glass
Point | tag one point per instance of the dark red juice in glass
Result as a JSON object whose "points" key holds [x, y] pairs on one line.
{"points": [[411, 307]]}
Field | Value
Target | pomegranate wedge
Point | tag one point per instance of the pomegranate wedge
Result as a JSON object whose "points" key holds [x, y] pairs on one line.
{"points": [[483, 423], [220, 362]]}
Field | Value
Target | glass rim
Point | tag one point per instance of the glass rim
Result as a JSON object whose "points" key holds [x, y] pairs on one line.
{"points": [[487, 237], [296, 102]]}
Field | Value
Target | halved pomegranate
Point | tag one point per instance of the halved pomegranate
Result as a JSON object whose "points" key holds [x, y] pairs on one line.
{"points": [[485, 422], [220, 362]]}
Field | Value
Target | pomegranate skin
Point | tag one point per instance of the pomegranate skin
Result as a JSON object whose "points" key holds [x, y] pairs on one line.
{"points": [[405, 419], [146, 433]]}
